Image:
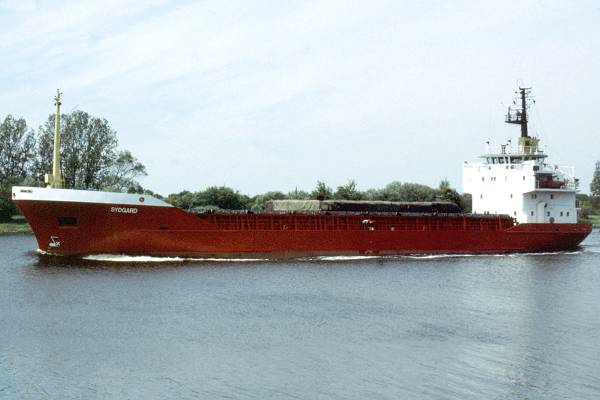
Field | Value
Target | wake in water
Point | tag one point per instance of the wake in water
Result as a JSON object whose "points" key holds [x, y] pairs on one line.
{"points": [[438, 256], [122, 258]]}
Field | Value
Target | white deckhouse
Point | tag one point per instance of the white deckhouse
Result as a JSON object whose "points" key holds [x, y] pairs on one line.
{"points": [[520, 183]]}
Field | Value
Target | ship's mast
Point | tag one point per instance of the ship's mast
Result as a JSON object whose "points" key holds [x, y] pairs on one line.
{"points": [[524, 112], [517, 114], [54, 180]]}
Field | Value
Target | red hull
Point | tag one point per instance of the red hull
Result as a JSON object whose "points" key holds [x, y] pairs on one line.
{"points": [[91, 228]]}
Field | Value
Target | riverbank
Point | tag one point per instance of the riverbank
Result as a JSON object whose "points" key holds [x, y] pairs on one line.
{"points": [[595, 220], [18, 225]]}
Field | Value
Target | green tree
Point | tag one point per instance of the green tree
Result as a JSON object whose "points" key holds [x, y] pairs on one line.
{"points": [[122, 173], [396, 191], [184, 200], [89, 156], [393, 191], [222, 197], [258, 202], [347, 192], [595, 185], [446, 193], [17, 145], [372, 194], [298, 195], [466, 202], [321, 192]]}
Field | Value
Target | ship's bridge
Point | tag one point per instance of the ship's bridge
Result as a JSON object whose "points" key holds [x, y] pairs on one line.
{"points": [[531, 159], [521, 184]]}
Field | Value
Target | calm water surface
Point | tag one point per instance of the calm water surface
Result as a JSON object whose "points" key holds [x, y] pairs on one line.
{"points": [[493, 327]]}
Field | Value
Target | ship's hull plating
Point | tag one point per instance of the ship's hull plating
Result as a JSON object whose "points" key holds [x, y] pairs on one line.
{"points": [[76, 228]]}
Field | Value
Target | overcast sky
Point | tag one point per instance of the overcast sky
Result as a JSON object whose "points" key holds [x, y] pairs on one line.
{"points": [[274, 95]]}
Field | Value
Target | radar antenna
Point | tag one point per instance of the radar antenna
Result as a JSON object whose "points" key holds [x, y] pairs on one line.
{"points": [[517, 113]]}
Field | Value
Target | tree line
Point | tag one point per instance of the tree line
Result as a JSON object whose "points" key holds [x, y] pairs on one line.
{"points": [[229, 199], [90, 157], [590, 205]]}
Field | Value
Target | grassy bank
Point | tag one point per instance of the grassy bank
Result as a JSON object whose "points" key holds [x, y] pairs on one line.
{"points": [[595, 219], [17, 225]]}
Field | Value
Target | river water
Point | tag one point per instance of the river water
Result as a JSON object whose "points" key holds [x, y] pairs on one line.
{"points": [[445, 327]]}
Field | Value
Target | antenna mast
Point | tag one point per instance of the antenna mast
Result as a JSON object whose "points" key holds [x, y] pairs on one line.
{"points": [[517, 114], [54, 180]]}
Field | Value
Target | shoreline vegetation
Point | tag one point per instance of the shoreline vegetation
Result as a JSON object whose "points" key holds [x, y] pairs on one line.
{"points": [[17, 226], [595, 220]]}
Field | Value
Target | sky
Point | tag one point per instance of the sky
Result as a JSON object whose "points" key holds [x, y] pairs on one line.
{"points": [[275, 95]]}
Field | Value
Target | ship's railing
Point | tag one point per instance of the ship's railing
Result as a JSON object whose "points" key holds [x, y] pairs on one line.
{"points": [[565, 185], [509, 150], [354, 222]]}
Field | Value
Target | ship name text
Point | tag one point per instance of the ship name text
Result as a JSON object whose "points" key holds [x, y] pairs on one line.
{"points": [[124, 210]]}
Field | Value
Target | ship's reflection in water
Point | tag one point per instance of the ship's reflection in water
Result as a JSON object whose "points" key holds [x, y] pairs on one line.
{"points": [[427, 327]]}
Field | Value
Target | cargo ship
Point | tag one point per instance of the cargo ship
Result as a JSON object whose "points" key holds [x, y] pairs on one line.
{"points": [[520, 204]]}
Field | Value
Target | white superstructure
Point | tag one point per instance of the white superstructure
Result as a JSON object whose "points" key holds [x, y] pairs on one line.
{"points": [[519, 182]]}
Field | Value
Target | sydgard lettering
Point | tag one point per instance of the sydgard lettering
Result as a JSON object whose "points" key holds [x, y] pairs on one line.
{"points": [[124, 210]]}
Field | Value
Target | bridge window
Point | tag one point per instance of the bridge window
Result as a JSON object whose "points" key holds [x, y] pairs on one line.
{"points": [[548, 213], [532, 213], [567, 213], [551, 196], [523, 177], [561, 213]]}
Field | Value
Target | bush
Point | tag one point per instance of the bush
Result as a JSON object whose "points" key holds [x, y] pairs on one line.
{"points": [[584, 213]]}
